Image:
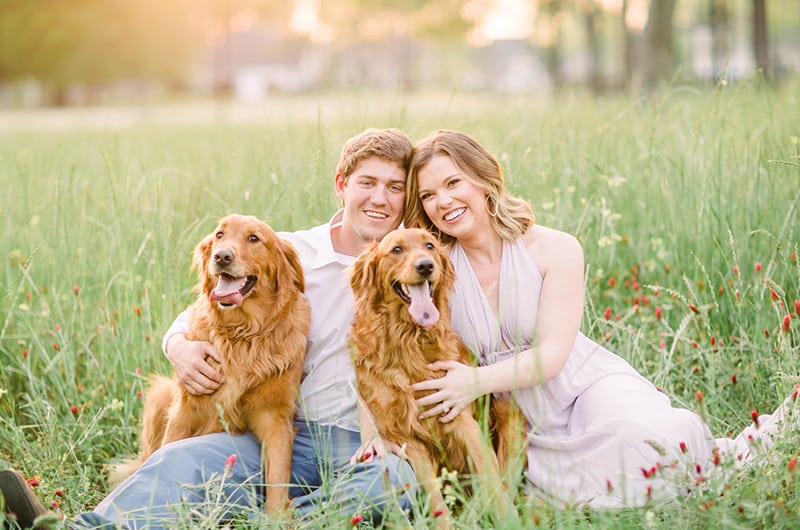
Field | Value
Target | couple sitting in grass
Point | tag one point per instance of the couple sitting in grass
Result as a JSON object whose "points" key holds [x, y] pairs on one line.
{"points": [[598, 432]]}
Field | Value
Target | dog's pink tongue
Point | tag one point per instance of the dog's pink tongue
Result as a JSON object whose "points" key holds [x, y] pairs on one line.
{"points": [[421, 307], [227, 290]]}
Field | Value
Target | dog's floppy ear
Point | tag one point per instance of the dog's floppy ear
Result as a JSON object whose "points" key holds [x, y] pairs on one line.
{"points": [[293, 260], [448, 276], [362, 271], [200, 258]]}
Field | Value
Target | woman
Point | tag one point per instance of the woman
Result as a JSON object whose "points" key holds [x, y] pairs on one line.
{"points": [[598, 432]]}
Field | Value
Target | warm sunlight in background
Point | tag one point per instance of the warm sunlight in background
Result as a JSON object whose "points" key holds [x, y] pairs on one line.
{"points": [[65, 53]]}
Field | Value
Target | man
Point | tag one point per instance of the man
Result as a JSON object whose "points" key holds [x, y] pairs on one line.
{"points": [[370, 182]]}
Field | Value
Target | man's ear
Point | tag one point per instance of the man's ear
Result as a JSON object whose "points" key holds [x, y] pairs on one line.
{"points": [[339, 183]]}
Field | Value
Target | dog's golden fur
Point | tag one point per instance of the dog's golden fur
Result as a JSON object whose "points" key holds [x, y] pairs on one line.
{"points": [[392, 348], [251, 307]]}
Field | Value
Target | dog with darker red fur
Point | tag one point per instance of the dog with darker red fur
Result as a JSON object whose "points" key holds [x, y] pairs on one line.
{"points": [[401, 325], [251, 307]]}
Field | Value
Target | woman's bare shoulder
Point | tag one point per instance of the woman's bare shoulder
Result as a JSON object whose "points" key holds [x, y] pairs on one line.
{"points": [[548, 246]]}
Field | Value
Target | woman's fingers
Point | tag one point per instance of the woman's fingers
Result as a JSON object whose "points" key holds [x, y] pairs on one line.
{"points": [[430, 384], [430, 399]]}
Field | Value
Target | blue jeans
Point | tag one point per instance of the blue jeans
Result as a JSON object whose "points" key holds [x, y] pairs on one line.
{"points": [[189, 476]]}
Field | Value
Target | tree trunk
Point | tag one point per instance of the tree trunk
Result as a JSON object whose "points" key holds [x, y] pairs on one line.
{"points": [[554, 50], [660, 60], [627, 39], [719, 20], [760, 37], [593, 43]]}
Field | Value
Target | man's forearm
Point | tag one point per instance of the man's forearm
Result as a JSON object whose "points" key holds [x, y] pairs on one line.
{"points": [[179, 327]]}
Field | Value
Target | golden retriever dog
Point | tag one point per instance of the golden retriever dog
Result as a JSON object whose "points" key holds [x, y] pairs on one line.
{"points": [[251, 307], [402, 323]]}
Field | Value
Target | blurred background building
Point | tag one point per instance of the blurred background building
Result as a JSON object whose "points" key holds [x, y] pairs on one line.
{"points": [[81, 52]]}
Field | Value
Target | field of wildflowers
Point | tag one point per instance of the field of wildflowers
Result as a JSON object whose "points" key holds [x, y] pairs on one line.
{"points": [[686, 204]]}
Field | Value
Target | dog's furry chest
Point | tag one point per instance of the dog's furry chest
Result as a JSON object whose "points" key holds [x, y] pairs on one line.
{"points": [[248, 360]]}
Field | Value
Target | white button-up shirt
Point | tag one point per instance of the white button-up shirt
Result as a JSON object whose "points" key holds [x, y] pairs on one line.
{"points": [[326, 391]]}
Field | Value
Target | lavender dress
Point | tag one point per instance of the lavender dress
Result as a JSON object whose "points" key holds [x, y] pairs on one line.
{"points": [[598, 429]]}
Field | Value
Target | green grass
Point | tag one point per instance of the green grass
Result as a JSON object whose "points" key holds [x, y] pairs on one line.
{"points": [[670, 196]]}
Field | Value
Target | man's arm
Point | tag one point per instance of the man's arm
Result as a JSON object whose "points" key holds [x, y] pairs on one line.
{"points": [[188, 358]]}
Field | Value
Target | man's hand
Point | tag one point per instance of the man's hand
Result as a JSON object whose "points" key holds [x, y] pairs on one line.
{"points": [[189, 360]]}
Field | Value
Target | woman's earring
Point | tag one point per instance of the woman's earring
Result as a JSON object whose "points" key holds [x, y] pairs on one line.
{"points": [[491, 206]]}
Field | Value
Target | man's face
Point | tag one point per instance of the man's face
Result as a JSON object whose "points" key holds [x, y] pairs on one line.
{"points": [[373, 196]]}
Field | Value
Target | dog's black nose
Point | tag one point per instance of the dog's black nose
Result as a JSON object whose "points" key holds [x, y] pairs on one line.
{"points": [[223, 257], [424, 266]]}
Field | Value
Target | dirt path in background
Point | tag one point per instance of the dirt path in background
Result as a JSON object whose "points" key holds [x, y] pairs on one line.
{"points": [[272, 110]]}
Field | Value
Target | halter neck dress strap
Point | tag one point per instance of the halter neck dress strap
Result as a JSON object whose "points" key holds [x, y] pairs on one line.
{"points": [[484, 331]]}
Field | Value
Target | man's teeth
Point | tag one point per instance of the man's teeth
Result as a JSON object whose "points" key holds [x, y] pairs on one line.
{"points": [[455, 213], [376, 215]]}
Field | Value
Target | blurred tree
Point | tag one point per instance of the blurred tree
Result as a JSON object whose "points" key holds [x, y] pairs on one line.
{"points": [[549, 25], [760, 37], [719, 21], [67, 42], [660, 56], [398, 21], [628, 57], [226, 17], [589, 11]]}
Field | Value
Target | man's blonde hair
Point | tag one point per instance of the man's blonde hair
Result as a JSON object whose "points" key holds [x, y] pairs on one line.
{"points": [[391, 145]]}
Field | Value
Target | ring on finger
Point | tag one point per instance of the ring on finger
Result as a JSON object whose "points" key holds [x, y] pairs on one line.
{"points": [[445, 408]]}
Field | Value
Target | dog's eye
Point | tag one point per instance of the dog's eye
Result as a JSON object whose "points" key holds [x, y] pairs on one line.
{"points": [[219, 234], [397, 250], [429, 245], [253, 238]]}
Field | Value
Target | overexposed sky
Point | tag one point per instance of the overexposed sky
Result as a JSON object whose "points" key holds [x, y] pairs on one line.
{"points": [[501, 19], [506, 19]]}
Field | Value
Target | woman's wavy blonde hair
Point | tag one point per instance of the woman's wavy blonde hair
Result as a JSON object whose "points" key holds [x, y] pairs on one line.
{"points": [[510, 215]]}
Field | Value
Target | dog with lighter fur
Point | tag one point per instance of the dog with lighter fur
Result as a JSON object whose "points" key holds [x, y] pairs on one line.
{"points": [[251, 307]]}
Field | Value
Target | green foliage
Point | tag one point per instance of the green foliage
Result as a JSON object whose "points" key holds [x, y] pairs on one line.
{"points": [[91, 41], [686, 205]]}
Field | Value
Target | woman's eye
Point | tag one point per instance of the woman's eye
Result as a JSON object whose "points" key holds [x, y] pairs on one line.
{"points": [[219, 234], [253, 238]]}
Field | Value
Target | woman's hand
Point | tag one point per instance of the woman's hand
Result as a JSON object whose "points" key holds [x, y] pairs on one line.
{"points": [[189, 360], [375, 447], [453, 392]]}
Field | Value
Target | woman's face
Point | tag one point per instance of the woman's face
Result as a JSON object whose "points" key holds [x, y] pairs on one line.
{"points": [[455, 205]]}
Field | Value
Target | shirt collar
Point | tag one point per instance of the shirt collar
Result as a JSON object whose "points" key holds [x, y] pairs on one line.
{"points": [[325, 252]]}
